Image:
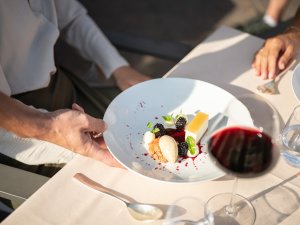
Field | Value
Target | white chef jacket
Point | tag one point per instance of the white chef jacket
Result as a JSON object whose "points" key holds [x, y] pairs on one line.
{"points": [[28, 32]]}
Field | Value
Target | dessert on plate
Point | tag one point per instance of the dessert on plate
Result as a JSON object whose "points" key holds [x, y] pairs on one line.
{"points": [[166, 143]]}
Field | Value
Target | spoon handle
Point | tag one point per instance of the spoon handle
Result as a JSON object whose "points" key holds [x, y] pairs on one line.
{"points": [[92, 184]]}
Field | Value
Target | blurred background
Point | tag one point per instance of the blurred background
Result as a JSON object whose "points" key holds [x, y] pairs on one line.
{"points": [[168, 28], [187, 22]]}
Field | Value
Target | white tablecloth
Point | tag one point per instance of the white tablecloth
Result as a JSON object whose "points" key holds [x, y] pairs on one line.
{"points": [[224, 58]]}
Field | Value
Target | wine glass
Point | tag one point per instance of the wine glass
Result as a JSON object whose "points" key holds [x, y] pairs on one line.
{"points": [[290, 139], [188, 210], [244, 146]]}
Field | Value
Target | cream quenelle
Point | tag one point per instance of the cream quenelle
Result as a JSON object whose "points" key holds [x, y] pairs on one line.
{"points": [[169, 149], [169, 144]]}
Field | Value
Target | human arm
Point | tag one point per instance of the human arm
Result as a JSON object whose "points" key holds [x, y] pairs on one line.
{"points": [[67, 128], [126, 77], [278, 51], [81, 32]]}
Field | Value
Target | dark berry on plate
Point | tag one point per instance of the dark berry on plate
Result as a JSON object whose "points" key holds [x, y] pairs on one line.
{"points": [[180, 123], [178, 135], [159, 130], [183, 148]]}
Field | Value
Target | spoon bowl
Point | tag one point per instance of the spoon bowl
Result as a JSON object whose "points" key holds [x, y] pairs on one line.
{"points": [[141, 212], [144, 212]]}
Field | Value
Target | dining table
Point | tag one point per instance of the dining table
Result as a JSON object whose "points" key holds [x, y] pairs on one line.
{"points": [[224, 59]]}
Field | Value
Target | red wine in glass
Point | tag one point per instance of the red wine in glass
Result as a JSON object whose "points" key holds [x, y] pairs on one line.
{"points": [[243, 151], [245, 146]]}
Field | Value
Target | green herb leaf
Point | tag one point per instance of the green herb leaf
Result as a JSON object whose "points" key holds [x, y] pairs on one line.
{"points": [[169, 121], [191, 143], [167, 118], [190, 140], [155, 130], [149, 125], [192, 150]]}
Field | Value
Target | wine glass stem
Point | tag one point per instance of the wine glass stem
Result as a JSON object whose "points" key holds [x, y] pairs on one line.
{"points": [[230, 209]]}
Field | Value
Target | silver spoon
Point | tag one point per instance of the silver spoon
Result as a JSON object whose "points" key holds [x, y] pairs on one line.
{"points": [[142, 212]]}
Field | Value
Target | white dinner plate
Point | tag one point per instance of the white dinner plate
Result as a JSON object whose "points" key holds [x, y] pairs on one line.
{"points": [[128, 114], [296, 81]]}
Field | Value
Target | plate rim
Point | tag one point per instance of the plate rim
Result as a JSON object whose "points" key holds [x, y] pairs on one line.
{"points": [[221, 173]]}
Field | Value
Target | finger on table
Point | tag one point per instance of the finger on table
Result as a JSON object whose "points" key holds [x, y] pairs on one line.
{"points": [[285, 58]]}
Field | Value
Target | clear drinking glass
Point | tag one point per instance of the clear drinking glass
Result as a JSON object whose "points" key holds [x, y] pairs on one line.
{"points": [[290, 139], [243, 146]]}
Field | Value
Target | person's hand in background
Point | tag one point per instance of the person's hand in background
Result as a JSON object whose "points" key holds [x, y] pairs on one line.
{"points": [[276, 54], [126, 77]]}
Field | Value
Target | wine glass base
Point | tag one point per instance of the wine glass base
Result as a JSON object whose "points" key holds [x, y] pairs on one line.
{"points": [[186, 211], [241, 213]]}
